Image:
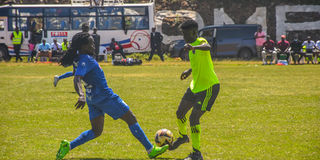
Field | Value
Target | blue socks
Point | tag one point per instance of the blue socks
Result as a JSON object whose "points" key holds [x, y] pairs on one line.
{"points": [[83, 138], [66, 75], [139, 134], [135, 130]]}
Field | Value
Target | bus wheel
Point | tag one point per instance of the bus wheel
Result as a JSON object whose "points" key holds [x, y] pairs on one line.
{"points": [[245, 54], [4, 54]]}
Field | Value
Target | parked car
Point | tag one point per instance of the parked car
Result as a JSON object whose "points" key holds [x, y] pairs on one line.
{"points": [[236, 40]]}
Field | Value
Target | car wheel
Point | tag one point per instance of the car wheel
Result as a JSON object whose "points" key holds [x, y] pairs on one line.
{"points": [[4, 54], [245, 54]]}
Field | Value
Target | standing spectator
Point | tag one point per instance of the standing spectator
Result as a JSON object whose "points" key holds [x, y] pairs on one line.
{"points": [[44, 50], [283, 46], [259, 36], [116, 47], [309, 48], [268, 49], [17, 40], [32, 52], [56, 48], [318, 51], [156, 39], [96, 38], [296, 46], [65, 45]]}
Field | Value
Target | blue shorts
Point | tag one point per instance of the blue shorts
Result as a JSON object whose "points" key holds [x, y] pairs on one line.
{"points": [[114, 107]]}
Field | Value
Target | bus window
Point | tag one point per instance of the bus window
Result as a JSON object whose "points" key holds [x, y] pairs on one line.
{"points": [[110, 23], [57, 23], [56, 11], [1, 24], [13, 12], [78, 21], [110, 11], [136, 22], [23, 24], [30, 12], [20, 22], [135, 11], [83, 12]]}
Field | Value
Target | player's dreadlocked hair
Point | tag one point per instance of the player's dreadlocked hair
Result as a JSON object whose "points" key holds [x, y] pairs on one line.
{"points": [[78, 40], [189, 24]]}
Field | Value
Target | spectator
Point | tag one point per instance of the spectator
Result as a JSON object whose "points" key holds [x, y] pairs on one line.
{"points": [[17, 41], [259, 36], [296, 46], [64, 45], [32, 51], [116, 47], [56, 48], [309, 49], [44, 49], [96, 38], [318, 51], [268, 50], [156, 39], [283, 46]]}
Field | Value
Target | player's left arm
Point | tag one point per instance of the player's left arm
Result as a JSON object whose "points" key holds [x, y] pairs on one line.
{"points": [[78, 87]]}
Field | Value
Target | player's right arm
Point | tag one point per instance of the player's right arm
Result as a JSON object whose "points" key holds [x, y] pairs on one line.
{"points": [[78, 87], [185, 74]]}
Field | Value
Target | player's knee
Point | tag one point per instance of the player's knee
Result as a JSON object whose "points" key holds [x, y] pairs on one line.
{"points": [[97, 132], [194, 120], [179, 114]]}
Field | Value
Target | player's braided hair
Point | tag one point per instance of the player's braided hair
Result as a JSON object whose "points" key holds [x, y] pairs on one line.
{"points": [[189, 24], [78, 40]]}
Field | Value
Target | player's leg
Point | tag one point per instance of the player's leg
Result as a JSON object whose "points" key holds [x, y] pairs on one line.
{"points": [[57, 78], [117, 108], [206, 99], [184, 106], [97, 121]]}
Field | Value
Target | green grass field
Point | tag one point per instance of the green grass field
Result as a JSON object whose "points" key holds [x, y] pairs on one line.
{"points": [[262, 112]]}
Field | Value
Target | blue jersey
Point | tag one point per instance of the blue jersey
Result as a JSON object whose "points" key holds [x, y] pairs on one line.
{"points": [[94, 80]]}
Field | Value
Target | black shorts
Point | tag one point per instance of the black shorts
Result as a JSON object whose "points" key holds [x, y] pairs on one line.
{"points": [[203, 100]]}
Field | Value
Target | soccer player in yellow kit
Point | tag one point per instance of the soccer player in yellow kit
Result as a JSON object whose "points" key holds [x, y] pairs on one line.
{"points": [[203, 90]]}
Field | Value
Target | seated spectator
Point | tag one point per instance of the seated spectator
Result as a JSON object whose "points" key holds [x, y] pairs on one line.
{"points": [[116, 47], [44, 49], [296, 46], [309, 46], [268, 51], [283, 46], [65, 45], [56, 48]]}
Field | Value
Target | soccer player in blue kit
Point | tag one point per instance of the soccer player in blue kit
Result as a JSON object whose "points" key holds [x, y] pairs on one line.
{"points": [[99, 98]]}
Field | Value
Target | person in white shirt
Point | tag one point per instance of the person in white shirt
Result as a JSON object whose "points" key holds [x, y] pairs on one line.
{"points": [[310, 47], [56, 48]]}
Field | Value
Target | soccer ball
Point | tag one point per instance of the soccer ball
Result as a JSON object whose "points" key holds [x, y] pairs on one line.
{"points": [[163, 137]]}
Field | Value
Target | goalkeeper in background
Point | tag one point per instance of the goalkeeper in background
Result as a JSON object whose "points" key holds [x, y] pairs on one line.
{"points": [[203, 90]]}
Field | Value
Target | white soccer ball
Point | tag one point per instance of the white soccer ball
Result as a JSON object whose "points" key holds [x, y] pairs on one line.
{"points": [[163, 137]]}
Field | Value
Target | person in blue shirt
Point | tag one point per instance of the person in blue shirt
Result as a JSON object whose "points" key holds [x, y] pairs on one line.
{"points": [[44, 49], [99, 97]]}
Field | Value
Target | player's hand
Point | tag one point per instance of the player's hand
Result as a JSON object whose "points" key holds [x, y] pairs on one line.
{"points": [[81, 102], [188, 47], [185, 74]]}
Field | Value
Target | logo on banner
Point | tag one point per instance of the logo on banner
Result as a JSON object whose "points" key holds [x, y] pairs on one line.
{"points": [[59, 34]]}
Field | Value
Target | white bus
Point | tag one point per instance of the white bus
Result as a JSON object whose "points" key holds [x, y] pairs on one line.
{"points": [[129, 24]]}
